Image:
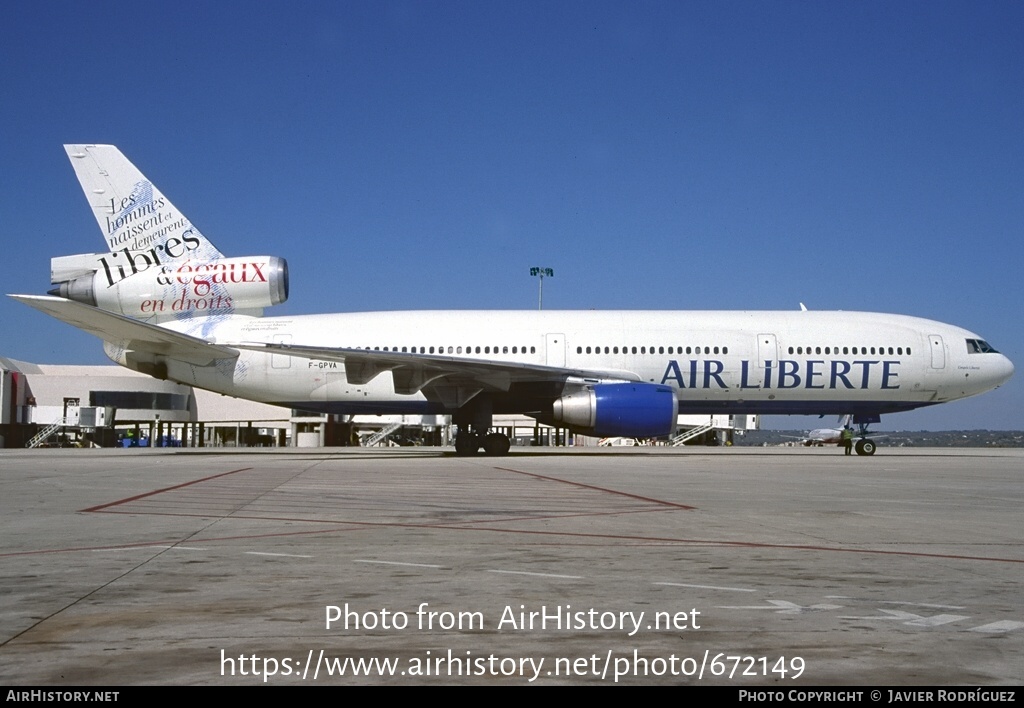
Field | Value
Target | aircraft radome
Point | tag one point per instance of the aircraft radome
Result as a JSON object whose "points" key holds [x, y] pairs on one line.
{"points": [[167, 303]]}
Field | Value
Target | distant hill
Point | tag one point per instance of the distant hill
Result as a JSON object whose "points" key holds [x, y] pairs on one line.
{"points": [[904, 438]]}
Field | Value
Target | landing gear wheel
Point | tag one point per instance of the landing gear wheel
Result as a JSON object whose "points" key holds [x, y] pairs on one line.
{"points": [[866, 447], [496, 444], [466, 444]]}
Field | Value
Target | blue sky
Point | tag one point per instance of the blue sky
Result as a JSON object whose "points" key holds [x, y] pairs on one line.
{"points": [[677, 155]]}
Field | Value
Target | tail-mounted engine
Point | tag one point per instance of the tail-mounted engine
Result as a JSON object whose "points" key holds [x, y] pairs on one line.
{"points": [[136, 284]]}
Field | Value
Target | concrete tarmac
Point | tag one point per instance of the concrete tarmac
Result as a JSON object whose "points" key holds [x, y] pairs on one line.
{"points": [[781, 567]]}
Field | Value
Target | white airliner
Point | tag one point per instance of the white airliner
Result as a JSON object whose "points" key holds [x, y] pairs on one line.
{"points": [[820, 437], [167, 303]]}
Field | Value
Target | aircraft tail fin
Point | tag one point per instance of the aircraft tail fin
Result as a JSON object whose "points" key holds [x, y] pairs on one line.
{"points": [[131, 212], [159, 267]]}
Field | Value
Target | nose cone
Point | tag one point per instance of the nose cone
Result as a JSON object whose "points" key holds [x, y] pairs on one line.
{"points": [[1002, 371]]}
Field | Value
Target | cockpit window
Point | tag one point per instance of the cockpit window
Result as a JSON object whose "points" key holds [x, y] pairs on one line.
{"points": [[980, 346]]}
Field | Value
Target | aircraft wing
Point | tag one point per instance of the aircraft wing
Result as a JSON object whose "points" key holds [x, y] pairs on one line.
{"points": [[131, 334], [451, 380], [436, 374]]}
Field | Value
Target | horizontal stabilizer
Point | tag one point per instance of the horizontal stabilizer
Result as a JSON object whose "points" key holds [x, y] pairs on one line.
{"points": [[131, 334]]}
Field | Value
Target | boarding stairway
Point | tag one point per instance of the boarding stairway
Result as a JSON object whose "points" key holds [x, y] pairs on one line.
{"points": [[44, 434], [690, 434], [381, 434], [613, 442]]}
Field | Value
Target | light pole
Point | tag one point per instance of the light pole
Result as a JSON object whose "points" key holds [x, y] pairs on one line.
{"points": [[541, 272]]}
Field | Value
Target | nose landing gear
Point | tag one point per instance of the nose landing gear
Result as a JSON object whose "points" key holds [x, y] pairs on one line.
{"points": [[865, 447]]}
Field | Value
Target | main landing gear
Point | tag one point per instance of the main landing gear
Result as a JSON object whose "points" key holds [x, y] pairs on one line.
{"points": [[494, 444], [473, 421]]}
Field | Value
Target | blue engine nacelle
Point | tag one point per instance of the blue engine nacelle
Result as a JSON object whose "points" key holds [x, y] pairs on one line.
{"points": [[631, 410]]}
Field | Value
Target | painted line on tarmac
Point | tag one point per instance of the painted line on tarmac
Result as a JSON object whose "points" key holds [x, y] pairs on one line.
{"points": [[410, 565], [606, 490], [706, 587], [537, 575], [165, 489]]}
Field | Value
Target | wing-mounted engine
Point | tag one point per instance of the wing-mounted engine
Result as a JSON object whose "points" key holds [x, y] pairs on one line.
{"points": [[138, 285], [634, 410]]}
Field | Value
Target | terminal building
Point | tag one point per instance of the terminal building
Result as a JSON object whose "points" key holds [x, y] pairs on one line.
{"points": [[104, 405], [110, 406]]}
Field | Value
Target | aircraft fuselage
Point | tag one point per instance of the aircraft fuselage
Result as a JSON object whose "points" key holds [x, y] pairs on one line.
{"points": [[743, 362]]}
